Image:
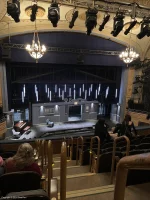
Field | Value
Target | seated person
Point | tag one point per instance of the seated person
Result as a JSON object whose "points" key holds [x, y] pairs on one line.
{"points": [[126, 128], [1, 166], [101, 131], [23, 160]]}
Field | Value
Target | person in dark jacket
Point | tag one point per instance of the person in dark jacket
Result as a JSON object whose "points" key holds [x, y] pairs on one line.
{"points": [[101, 130], [128, 127]]}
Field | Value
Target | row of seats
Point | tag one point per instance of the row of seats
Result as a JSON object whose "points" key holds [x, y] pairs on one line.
{"points": [[28, 184], [138, 145]]}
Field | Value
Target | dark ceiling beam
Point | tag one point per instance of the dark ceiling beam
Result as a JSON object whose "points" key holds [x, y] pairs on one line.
{"points": [[63, 81], [38, 76], [95, 76]]}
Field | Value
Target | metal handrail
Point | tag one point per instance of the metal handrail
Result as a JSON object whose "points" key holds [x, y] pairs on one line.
{"points": [[42, 154], [63, 166], [50, 160], [98, 152], [114, 152], [68, 147], [82, 140], [140, 162]]}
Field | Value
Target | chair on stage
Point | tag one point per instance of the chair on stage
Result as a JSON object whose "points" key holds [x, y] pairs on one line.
{"points": [[49, 123]]}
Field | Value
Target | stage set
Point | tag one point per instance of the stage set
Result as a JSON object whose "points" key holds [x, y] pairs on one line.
{"points": [[61, 119]]}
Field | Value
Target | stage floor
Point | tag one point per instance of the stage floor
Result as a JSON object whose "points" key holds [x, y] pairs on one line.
{"points": [[59, 129]]}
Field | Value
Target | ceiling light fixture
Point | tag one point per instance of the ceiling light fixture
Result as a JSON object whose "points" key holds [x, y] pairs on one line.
{"points": [[35, 50], [129, 55]]}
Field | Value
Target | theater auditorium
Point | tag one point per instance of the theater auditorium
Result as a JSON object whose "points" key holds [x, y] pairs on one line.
{"points": [[74, 99]]}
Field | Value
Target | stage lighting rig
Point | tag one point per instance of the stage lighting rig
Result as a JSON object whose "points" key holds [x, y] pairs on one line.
{"points": [[74, 17], [34, 9], [91, 19], [145, 28], [105, 20], [132, 24], [118, 23], [13, 9], [54, 13]]}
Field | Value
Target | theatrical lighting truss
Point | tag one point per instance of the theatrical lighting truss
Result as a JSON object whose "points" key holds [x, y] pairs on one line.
{"points": [[54, 13], [129, 55], [35, 50]]}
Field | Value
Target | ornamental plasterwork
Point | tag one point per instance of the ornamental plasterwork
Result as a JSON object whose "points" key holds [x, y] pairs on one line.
{"points": [[140, 2], [3, 8]]}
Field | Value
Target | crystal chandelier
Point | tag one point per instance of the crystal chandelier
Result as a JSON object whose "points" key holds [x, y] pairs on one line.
{"points": [[35, 50], [128, 55]]}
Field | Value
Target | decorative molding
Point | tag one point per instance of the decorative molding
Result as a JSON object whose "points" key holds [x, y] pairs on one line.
{"points": [[3, 8]]}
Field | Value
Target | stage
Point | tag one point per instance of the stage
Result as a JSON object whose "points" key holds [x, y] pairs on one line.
{"points": [[60, 130]]}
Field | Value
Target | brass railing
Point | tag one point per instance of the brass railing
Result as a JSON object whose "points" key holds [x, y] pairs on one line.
{"points": [[77, 150], [91, 152], [114, 152], [63, 167], [69, 147], [140, 162], [50, 160]]}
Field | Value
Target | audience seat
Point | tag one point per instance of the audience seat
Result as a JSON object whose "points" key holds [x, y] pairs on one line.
{"points": [[107, 145], [105, 161], [143, 146], [19, 181], [28, 195]]}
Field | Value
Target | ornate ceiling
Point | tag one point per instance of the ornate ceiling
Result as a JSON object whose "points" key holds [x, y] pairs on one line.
{"points": [[8, 27]]}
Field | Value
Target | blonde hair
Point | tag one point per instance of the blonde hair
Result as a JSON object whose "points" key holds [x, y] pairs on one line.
{"points": [[24, 156]]}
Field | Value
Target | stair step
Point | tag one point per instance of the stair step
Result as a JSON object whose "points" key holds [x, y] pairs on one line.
{"points": [[56, 159], [69, 163], [72, 170], [86, 180], [89, 191], [136, 192]]}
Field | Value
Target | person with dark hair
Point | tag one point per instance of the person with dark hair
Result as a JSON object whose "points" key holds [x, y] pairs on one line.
{"points": [[101, 130], [128, 127]]}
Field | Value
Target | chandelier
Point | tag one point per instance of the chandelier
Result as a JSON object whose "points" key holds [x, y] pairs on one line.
{"points": [[128, 55], [35, 50]]}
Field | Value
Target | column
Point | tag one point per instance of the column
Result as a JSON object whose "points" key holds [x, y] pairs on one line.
{"points": [[3, 87], [126, 86]]}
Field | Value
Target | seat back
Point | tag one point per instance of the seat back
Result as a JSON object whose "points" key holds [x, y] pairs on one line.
{"points": [[19, 181], [143, 146], [28, 195]]}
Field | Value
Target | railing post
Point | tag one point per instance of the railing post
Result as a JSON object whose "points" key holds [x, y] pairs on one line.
{"points": [[98, 151], [50, 159], [78, 148], [63, 166], [114, 152], [140, 161]]}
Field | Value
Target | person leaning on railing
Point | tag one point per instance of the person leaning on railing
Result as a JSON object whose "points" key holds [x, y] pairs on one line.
{"points": [[23, 160]]}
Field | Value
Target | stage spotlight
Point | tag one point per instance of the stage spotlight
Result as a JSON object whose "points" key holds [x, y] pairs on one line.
{"points": [[54, 13], [74, 17], [91, 19], [13, 9], [118, 23], [105, 20], [34, 9], [145, 28], [132, 24]]}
